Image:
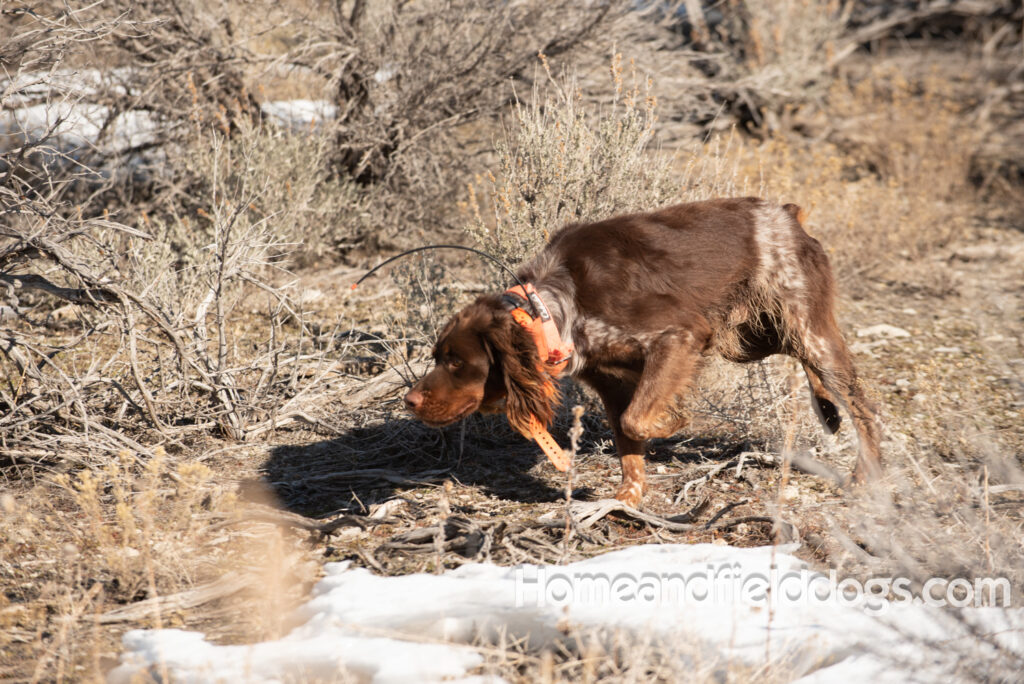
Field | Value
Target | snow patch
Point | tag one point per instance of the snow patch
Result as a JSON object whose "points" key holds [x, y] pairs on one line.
{"points": [[79, 124], [384, 629], [33, 102], [299, 114], [304, 655]]}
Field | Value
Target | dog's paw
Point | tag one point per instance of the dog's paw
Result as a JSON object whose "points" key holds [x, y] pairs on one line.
{"points": [[630, 493]]}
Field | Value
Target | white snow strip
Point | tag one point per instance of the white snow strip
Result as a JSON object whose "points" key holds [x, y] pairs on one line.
{"points": [[25, 88], [326, 654], [299, 113], [32, 102], [79, 125], [709, 599]]}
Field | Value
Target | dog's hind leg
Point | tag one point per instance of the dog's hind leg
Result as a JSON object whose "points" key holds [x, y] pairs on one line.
{"points": [[822, 402], [824, 354], [796, 272]]}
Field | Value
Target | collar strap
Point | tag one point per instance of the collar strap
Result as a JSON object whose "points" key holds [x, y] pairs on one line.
{"points": [[553, 351], [554, 354], [559, 457]]}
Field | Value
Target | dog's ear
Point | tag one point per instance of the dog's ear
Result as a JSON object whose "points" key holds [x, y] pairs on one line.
{"points": [[530, 391], [488, 350]]}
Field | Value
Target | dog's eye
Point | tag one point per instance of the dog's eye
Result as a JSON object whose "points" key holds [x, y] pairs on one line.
{"points": [[454, 363]]}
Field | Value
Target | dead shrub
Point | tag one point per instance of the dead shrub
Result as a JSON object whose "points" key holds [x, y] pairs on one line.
{"points": [[184, 62], [407, 78], [783, 52], [162, 340], [398, 71], [562, 162]]}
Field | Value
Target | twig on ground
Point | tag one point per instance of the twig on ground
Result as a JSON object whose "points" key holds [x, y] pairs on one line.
{"points": [[587, 513], [288, 519], [725, 509], [800, 460], [574, 435], [227, 585], [383, 384]]}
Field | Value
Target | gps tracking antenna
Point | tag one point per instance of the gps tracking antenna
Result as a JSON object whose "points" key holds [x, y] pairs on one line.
{"points": [[420, 249]]}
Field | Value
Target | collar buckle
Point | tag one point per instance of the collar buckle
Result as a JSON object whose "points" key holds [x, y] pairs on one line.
{"points": [[553, 351]]}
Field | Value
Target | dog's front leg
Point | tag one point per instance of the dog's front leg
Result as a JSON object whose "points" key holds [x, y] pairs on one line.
{"points": [[669, 368], [630, 404], [631, 457], [616, 392]]}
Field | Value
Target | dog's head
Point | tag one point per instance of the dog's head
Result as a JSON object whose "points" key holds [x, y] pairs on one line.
{"points": [[483, 357]]}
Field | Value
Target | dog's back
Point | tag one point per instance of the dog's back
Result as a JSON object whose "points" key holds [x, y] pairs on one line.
{"points": [[732, 261]]}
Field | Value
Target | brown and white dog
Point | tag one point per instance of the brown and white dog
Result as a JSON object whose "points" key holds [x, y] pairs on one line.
{"points": [[637, 301]]}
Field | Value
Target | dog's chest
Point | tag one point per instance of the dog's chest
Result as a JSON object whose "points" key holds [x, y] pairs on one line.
{"points": [[602, 342]]}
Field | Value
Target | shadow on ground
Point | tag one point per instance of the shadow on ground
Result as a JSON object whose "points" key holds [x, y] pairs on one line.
{"points": [[380, 460], [393, 455]]}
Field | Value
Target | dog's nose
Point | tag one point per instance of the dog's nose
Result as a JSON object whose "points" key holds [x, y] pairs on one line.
{"points": [[413, 399]]}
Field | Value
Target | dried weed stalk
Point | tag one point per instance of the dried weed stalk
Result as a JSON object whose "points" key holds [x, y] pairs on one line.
{"points": [[562, 162]]}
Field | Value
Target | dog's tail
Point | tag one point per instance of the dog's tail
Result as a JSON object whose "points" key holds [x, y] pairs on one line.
{"points": [[797, 212]]}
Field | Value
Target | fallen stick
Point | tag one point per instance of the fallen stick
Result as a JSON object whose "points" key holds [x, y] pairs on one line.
{"points": [[1002, 489], [386, 382], [227, 585], [587, 513], [287, 519], [426, 477]]}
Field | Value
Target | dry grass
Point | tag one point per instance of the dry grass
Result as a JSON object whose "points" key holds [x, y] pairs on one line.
{"points": [[227, 412], [560, 164], [895, 168], [619, 656], [132, 543]]}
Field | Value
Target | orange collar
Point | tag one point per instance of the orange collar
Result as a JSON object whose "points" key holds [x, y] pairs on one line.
{"points": [[554, 354], [553, 351]]}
